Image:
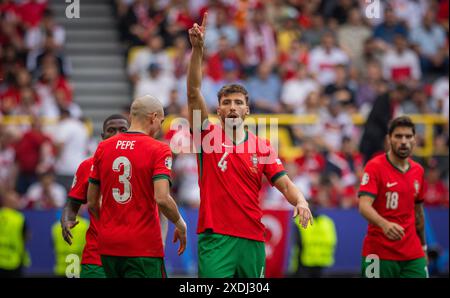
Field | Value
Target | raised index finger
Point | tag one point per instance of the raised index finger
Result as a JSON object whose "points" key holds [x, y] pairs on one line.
{"points": [[205, 17]]}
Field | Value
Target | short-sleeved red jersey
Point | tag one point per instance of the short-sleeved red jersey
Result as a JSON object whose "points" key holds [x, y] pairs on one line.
{"points": [[125, 166], [78, 192], [395, 193], [230, 178]]}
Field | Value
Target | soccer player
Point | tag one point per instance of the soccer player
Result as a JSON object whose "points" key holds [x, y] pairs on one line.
{"points": [[132, 173], [91, 265], [390, 198], [231, 235]]}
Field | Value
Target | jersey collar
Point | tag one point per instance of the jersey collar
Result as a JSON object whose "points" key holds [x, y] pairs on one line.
{"points": [[398, 169]]}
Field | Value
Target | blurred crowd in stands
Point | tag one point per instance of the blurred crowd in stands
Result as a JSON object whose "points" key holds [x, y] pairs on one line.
{"points": [[334, 59]]}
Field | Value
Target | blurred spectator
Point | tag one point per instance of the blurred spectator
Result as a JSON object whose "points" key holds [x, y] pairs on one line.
{"points": [[259, 41], [157, 83], [386, 31], [13, 96], [34, 155], [32, 11], [401, 64], [50, 82], [341, 11], [216, 60], [70, 138], [288, 32], [328, 192], [419, 104], [435, 190], [141, 20], [180, 55], [341, 90], [153, 53], [313, 35], [313, 107], [14, 234], [175, 105], [295, 90], [324, 58], [351, 37], [46, 193], [264, 90], [50, 53], [35, 36], [431, 44], [440, 95], [297, 54], [386, 107], [7, 157], [311, 163], [222, 27], [186, 173], [410, 11], [370, 86], [335, 125]]}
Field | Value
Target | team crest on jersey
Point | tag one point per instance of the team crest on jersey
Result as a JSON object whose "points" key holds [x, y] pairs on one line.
{"points": [[416, 186], [254, 160], [168, 162], [365, 179]]}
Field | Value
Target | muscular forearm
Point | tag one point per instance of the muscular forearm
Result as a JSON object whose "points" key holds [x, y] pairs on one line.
{"points": [[194, 73], [292, 194], [372, 216], [420, 223], [169, 208]]}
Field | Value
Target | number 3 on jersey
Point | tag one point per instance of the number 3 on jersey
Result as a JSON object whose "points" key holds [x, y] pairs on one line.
{"points": [[124, 179], [391, 200]]}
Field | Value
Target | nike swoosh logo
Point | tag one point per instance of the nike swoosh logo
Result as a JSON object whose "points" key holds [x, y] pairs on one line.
{"points": [[227, 146], [391, 184]]}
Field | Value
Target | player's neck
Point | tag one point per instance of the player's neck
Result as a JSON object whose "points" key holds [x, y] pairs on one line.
{"points": [[138, 128], [401, 163]]}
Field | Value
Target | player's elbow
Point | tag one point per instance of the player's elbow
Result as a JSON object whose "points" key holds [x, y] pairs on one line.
{"points": [[162, 199]]}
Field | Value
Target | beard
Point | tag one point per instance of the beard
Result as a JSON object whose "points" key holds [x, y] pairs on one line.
{"points": [[401, 152]]}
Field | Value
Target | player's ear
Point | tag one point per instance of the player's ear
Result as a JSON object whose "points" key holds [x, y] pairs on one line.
{"points": [[103, 136]]}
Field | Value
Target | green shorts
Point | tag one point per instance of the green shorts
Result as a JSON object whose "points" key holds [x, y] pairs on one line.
{"points": [[92, 271], [221, 256], [133, 267], [416, 268]]}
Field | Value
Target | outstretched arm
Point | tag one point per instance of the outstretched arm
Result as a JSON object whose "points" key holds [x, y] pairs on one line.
{"points": [[196, 102], [296, 198]]}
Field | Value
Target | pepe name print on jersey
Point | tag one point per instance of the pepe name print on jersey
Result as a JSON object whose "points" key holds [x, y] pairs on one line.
{"points": [[125, 167]]}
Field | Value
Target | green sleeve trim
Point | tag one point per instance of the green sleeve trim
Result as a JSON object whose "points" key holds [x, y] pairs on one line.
{"points": [[277, 176], [366, 193], [94, 181], [77, 201], [162, 176]]}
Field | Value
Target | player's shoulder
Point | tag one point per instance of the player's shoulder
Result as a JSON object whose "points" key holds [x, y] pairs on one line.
{"points": [[416, 166], [158, 145], [377, 161], [87, 163]]}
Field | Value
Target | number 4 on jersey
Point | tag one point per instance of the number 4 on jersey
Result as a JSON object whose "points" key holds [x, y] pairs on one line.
{"points": [[222, 162]]}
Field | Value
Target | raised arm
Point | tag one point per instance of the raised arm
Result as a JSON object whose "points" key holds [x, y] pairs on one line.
{"points": [[196, 102]]}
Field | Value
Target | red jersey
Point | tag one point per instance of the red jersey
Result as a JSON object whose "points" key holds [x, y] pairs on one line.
{"points": [[125, 167], [395, 193], [78, 192], [230, 178]]}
